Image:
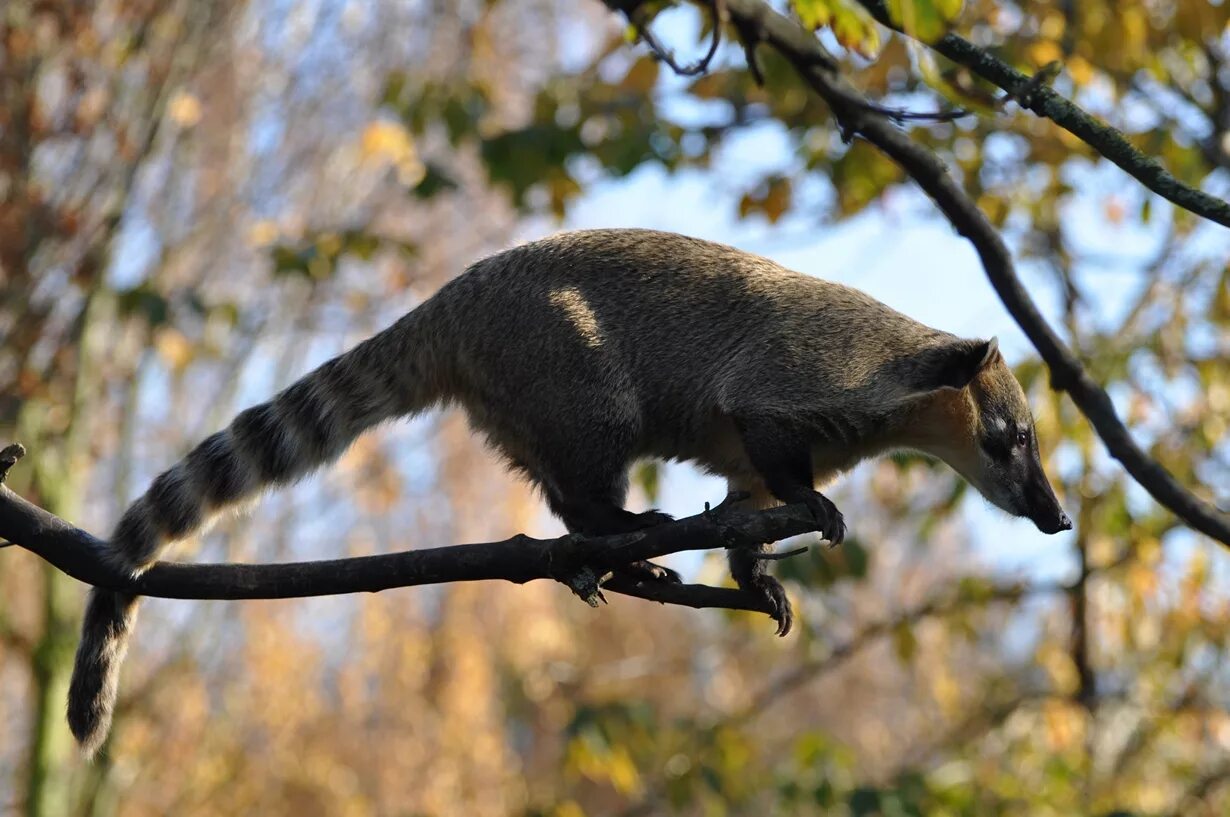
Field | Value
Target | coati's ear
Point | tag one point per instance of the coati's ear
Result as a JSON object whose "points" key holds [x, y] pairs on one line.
{"points": [[955, 364]]}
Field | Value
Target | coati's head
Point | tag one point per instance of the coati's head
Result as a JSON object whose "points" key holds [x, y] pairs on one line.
{"points": [[979, 423]]}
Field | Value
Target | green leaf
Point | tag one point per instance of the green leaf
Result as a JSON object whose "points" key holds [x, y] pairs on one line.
{"points": [[648, 477], [361, 244], [287, 260], [394, 85], [905, 643], [145, 302], [925, 20], [435, 181]]}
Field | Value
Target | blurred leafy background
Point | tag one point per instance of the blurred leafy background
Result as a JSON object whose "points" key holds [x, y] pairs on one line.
{"points": [[200, 201]]}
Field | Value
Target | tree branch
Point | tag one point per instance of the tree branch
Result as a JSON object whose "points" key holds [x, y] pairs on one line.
{"points": [[800, 47], [580, 563], [633, 11], [1046, 102]]}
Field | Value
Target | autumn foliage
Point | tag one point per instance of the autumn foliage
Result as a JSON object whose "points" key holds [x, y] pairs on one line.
{"points": [[202, 200]]}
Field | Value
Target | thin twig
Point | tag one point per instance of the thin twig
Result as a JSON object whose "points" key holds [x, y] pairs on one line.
{"points": [[1044, 101], [664, 54], [777, 557], [902, 115], [748, 38]]}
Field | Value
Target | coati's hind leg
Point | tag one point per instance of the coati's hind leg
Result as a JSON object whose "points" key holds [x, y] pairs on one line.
{"points": [[748, 571], [781, 455], [594, 516], [586, 484]]}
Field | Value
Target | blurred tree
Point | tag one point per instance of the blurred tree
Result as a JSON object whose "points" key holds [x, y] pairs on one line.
{"points": [[187, 188], [204, 199]]}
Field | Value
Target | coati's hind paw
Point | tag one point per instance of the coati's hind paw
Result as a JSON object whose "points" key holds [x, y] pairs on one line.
{"points": [[646, 571], [832, 523], [775, 594], [648, 519]]}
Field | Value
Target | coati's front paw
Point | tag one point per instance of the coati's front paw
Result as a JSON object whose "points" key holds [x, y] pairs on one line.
{"points": [[832, 523], [646, 571], [775, 594]]}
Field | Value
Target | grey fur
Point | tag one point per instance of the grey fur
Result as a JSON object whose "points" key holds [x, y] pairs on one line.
{"points": [[578, 354]]}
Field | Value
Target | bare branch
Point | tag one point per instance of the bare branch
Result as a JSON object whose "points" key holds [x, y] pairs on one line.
{"points": [[633, 12], [749, 38], [579, 562], [804, 52], [1045, 102]]}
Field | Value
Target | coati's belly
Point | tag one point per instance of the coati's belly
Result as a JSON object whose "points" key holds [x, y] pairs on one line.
{"points": [[717, 448]]}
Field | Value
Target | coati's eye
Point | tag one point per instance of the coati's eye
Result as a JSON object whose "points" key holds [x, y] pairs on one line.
{"points": [[1022, 438]]}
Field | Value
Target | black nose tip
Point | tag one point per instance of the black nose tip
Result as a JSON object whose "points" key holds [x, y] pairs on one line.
{"points": [[1064, 522]]}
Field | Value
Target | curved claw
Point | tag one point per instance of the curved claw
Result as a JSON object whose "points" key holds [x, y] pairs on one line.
{"points": [[646, 571], [832, 523], [776, 596]]}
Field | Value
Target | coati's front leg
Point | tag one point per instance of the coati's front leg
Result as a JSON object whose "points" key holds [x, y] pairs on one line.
{"points": [[781, 456]]}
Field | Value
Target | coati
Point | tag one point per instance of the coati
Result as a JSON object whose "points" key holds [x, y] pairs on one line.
{"points": [[579, 353]]}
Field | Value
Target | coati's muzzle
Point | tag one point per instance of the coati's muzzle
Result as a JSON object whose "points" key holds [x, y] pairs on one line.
{"points": [[1041, 506]]}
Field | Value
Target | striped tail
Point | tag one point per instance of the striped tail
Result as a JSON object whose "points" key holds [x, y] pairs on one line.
{"points": [[109, 618], [305, 427]]}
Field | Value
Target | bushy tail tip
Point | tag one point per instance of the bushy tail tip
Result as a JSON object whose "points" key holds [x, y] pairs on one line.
{"points": [[109, 618]]}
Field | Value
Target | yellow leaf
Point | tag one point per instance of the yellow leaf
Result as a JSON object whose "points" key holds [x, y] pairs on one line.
{"points": [[173, 348], [1079, 69], [622, 772], [1052, 26], [949, 10], [642, 76], [1065, 724], [855, 30], [995, 208], [262, 233], [184, 109], [387, 141], [778, 199], [1044, 52], [813, 13], [569, 809], [918, 18]]}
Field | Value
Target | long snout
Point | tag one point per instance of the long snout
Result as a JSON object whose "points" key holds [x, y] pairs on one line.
{"points": [[1043, 506], [1053, 523]]}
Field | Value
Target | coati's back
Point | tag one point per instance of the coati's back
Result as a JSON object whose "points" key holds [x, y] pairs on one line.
{"points": [[688, 321]]}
